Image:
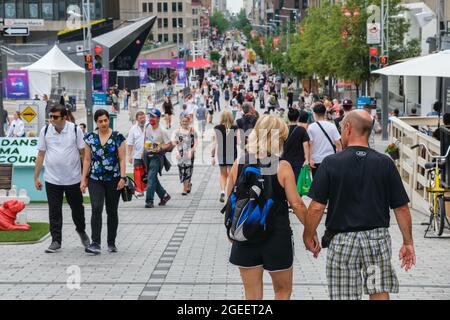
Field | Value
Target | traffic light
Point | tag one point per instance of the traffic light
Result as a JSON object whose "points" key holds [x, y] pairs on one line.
{"points": [[88, 62], [384, 61], [373, 59], [98, 57]]}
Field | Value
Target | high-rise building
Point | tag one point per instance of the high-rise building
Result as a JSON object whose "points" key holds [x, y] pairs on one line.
{"points": [[174, 19], [196, 14], [219, 5]]}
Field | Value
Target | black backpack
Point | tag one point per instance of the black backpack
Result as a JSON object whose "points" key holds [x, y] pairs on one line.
{"points": [[250, 209]]}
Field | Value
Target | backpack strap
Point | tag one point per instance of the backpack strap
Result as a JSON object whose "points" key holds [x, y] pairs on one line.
{"points": [[328, 137], [290, 136], [76, 132]]}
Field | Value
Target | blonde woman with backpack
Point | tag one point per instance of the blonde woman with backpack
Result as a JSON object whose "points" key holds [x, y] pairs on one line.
{"points": [[275, 253]]}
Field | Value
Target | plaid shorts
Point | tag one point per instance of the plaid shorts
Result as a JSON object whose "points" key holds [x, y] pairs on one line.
{"points": [[360, 259]]}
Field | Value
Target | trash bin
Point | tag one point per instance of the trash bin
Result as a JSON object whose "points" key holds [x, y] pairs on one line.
{"points": [[112, 119]]}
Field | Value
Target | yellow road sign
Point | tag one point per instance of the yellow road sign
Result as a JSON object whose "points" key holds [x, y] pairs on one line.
{"points": [[28, 114]]}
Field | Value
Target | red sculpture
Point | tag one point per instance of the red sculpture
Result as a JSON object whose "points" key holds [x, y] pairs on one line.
{"points": [[8, 213]]}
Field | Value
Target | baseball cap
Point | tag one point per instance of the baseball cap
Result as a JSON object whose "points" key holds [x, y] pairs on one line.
{"points": [[154, 113], [347, 102]]}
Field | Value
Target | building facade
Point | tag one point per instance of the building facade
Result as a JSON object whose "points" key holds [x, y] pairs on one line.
{"points": [[56, 15], [219, 5], [196, 14], [174, 19]]}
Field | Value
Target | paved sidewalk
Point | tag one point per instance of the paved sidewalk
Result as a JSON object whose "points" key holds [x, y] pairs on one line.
{"points": [[181, 252]]}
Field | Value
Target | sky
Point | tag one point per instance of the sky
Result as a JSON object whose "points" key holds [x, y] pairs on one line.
{"points": [[235, 5]]}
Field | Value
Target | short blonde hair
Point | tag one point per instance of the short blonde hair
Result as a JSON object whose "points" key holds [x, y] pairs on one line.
{"points": [[227, 119], [268, 137]]}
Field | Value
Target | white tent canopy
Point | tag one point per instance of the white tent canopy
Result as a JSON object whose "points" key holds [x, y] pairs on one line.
{"points": [[432, 65], [55, 62]]}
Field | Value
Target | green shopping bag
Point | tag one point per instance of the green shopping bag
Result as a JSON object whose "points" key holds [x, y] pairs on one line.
{"points": [[304, 181]]}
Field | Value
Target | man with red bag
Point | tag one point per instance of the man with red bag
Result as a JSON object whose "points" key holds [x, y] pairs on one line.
{"points": [[135, 145]]}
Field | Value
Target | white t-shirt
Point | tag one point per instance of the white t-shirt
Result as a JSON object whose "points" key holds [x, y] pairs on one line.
{"points": [[158, 136], [321, 146], [136, 140], [16, 129], [62, 154]]}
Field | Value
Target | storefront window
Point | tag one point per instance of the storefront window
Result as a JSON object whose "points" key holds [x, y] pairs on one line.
{"points": [[47, 10], [33, 10], [10, 10]]}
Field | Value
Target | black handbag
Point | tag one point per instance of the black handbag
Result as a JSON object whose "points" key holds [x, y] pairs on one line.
{"points": [[128, 190]]}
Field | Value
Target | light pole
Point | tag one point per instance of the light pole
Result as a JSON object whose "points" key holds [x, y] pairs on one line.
{"points": [[288, 28], [276, 23], [87, 37], [263, 26]]}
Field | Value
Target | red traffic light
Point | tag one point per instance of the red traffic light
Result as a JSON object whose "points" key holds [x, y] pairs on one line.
{"points": [[373, 51], [98, 49]]}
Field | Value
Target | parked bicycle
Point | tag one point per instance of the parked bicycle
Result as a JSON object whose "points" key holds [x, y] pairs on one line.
{"points": [[438, 217]]}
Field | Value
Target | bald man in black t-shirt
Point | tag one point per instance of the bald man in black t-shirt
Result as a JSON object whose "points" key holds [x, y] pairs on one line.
{"points": [[360, 186]]}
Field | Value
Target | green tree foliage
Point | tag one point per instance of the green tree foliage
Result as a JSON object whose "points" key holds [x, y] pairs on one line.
{"points": [[215, 55], [219, 21], [330, 42], [241, 22]]}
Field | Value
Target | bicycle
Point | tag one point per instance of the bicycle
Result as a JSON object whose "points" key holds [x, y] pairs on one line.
{"points": [[438, 218]]}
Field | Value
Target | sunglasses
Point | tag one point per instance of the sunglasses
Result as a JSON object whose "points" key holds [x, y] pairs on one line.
{"points": [[55, 117]]}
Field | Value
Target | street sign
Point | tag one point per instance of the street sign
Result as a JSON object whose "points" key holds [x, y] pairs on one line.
{"points": [[28, 114], [373, 33], [18, 31], [80, 50], [24, 22]]}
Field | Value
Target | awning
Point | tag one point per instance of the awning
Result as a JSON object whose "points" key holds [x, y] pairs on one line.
{"points": [[55, 61], [432, 65], [199, 63]]}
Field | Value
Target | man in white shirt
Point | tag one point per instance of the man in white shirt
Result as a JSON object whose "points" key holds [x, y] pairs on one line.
{"points": [[324, 138], [135, 145], [61, 144], [17, 127]]}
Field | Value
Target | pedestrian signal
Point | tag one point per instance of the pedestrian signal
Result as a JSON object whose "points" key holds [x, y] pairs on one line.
{"points": [[373, 59], [98, 57], [88, 62], [384, 61]]}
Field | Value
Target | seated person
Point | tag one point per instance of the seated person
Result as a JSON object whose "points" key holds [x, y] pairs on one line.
{"points": [[437, 132]]}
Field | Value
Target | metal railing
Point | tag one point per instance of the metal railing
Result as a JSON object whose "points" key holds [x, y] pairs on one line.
{"points": [[411, 164]]}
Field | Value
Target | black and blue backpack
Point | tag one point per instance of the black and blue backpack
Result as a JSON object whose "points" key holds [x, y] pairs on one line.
{"points": [[250, 209]]}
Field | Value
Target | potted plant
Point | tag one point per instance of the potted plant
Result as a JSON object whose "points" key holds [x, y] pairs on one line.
{"points": [[393, 150]]}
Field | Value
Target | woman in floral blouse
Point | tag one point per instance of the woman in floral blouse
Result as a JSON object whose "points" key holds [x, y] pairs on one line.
{"points": [[104, 172]]}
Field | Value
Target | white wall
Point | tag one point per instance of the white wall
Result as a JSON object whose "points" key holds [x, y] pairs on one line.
{"points": [[428, 94]]}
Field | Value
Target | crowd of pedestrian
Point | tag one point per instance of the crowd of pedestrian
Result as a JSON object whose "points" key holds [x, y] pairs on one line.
{"points": [[353, 183]]}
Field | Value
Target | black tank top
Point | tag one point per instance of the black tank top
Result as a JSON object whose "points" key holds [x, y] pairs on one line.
{"points": [[281, 216]]}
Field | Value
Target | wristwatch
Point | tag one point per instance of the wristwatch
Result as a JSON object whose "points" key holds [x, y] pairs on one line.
{"points": [[123, 178]]}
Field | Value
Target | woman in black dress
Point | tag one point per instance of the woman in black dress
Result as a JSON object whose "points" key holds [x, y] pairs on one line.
{"points": [[168, 111], [225, 143]]}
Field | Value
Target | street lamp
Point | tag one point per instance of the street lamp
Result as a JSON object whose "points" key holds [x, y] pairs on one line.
{"points": [[288, 29], [296, 11]]}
